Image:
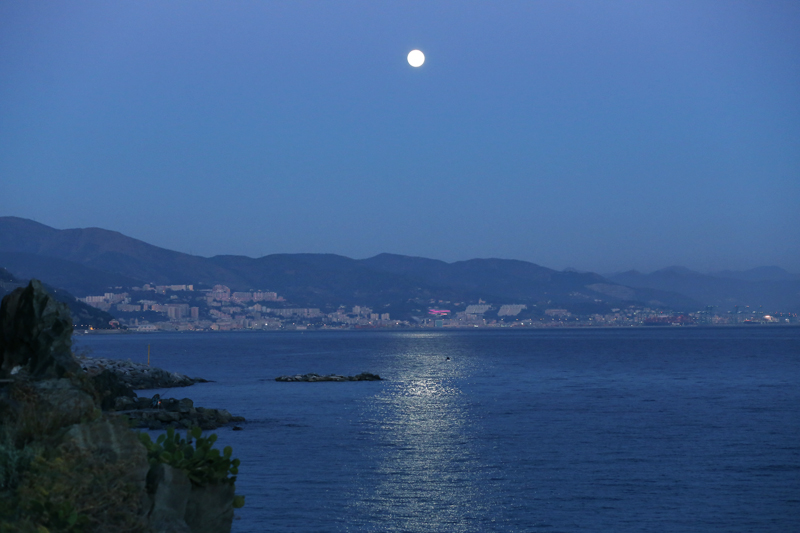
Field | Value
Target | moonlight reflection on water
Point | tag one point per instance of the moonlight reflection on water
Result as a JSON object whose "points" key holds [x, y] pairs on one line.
{"points": [[428, 467]]}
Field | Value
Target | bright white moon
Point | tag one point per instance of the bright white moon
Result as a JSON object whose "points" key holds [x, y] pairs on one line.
{"points": [[416, 58]]}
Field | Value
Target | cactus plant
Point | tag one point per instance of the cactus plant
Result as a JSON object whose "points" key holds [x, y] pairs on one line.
{"points": [[195, 455]]}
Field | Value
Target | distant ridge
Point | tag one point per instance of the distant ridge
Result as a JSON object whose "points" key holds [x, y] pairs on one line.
{"points": [[85, 260], [769, 288], [107, 251], [765, 273]]}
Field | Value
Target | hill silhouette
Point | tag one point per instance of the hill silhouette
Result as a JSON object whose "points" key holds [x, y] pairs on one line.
{"points": [[770, 289], [91, 259]]}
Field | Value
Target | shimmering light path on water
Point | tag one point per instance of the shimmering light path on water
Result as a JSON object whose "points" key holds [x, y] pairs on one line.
{"points": [[581, 430]]}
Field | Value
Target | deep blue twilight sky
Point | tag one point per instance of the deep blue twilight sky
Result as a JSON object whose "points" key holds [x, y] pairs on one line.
{"points": [[596, 135]]}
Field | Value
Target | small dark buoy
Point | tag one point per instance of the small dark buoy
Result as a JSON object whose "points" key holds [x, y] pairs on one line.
{"points": [[237, 428], [447, 359]]}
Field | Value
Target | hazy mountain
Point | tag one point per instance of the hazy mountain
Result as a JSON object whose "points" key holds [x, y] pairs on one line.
{"points": [[520, 281], [88, 260], [108, 251], [724, 292], [764, 273], [328, 279]]}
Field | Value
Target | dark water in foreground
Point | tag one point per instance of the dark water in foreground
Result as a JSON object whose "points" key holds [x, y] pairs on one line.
{"points": [[554, 431]]}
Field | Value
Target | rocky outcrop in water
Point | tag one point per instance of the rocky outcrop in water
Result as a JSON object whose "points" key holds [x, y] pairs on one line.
{"points": [[364, 376], [137, 376], [160, 413], [116, 380]]}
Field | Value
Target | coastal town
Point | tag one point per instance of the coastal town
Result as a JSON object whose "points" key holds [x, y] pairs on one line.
{"points": [[152, 308]]}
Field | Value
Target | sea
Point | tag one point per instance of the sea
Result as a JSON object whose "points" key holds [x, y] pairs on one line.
{"points": [[670, 429]]}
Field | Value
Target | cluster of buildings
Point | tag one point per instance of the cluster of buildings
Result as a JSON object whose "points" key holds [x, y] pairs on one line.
{"points": [[182, 308], [486, 315]]}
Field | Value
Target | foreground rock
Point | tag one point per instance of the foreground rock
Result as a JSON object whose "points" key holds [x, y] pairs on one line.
{"points": [[364, 376], [180, 506], [137, 376], [35, 334]]}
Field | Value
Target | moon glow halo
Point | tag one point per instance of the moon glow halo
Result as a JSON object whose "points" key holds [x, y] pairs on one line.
{"points": [[416, 58]]}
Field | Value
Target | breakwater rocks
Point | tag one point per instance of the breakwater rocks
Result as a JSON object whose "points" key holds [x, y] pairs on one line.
{"points": [[114, 382], [160, 413], [136, 375], [364, 376]]}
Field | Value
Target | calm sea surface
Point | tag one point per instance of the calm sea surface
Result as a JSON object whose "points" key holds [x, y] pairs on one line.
{"points": [[659, 430]]}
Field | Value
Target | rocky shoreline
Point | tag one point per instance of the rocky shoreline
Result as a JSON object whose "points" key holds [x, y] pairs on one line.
{"points": [[137, 376], [117, 380], [157, 413], [364, 376]]}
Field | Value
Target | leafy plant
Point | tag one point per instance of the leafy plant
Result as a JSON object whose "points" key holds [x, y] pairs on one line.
{"points": [[238, 501], [195, 455]]}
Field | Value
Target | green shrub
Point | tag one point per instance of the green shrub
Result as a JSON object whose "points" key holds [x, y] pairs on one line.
{"points": [[203, 464]]}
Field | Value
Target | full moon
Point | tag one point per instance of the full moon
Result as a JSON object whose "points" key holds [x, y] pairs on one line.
{"points": [[416, 58]]}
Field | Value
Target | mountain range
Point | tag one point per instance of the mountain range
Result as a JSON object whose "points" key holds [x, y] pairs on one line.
{"points": [[91, 260]]}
